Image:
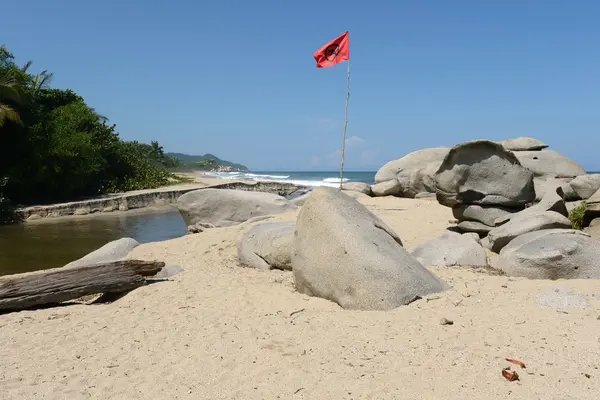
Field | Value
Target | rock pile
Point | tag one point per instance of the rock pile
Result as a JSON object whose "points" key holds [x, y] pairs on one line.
{"points": [[482, 181]]}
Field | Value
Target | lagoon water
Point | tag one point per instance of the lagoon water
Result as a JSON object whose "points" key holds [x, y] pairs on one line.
{"points": [[53, 243]]}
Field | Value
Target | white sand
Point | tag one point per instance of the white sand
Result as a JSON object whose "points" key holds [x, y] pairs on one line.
{"points": [[218, 331]]}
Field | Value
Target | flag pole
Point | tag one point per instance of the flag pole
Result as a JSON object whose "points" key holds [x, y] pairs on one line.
{"points": [[345, 129]]}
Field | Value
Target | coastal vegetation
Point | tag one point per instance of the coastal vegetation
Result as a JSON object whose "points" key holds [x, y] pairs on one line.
{"points": [[577, 216], [55, 147], [207, 162]]}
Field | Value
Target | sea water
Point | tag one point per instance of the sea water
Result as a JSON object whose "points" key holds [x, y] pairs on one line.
{"points": [[301, 178]]}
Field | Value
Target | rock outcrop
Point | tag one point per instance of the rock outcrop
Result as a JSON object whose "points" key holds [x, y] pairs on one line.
{"points": [[415, 171], [451, 249], [112, 251], [344, 253], [552, 254], [227, 207], [267, 246], [484, 214], [482, 172]]}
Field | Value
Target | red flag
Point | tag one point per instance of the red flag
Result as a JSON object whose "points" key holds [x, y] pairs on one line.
{"points": [[334, 52]]}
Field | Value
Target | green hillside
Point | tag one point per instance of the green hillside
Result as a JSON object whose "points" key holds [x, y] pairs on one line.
{"points": [[204, 162]]}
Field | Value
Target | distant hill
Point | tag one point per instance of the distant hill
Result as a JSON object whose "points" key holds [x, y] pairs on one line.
{"points": [[206, 162]]}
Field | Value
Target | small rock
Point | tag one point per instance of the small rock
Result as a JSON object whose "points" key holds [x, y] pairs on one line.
{"points": [[445, 321]]}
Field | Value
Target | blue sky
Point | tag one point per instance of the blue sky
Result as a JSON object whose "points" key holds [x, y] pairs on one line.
{"points": [[237, 78]]}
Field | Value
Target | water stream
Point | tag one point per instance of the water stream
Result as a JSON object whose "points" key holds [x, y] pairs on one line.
{"points": [[53, 243]]}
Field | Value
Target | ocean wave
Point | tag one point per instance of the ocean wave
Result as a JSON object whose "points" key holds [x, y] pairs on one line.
{"points": [[259, 176], [335, 180], [248, 176]]}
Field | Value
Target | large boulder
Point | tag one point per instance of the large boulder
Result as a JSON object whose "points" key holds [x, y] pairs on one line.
{"points": [[553, 200], [387, 188], [344, 253], [586, 185], [485, 214], [544, 184], [267, 246], [523, 144], [112, 251], [360, 187], [451, 249], [549, 163], [227, 207], [519, 225], [483, 172], [552, 254], [415, 171]]}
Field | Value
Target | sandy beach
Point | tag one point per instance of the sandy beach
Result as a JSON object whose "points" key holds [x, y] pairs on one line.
{"points": [[220, 331]]}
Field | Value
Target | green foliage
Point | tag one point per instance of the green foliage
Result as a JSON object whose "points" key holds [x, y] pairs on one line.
{"points": [[577, 215], [54, 147], [205, 162]]}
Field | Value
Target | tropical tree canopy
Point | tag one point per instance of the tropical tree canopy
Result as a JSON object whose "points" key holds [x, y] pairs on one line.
{"points": [[55, 147]]}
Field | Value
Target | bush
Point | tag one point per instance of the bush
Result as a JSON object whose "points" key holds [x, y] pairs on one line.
{"points": [[577, 215], [61, 149]]}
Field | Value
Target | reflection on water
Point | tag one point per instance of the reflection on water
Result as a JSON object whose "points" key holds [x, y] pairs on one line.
{"points": [[49, 244]]}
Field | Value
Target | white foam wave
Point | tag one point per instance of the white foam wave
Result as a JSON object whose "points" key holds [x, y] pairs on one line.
{"points": [[247, 176], [335, 180], [259, 176]]}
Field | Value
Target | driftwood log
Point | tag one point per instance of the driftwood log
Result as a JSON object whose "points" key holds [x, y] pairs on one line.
{"points": [[56, 285]]}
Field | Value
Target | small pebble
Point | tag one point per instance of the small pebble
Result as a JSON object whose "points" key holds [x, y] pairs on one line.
{"points": [[445, 321]]}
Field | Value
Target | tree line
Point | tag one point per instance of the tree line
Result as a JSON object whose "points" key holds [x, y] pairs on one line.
{"points": [[54, 147]]}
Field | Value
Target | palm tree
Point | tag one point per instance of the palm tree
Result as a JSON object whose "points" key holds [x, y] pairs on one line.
{"points": [[10, 93]]}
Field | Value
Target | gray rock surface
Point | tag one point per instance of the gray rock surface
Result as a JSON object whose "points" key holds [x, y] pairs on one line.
{"points": [[586, 185], [485, 214], [592, 210], [474, 226], [571, 205], [552, 201], [552, 254], [451, 249], [112, 251], [519, 225], [356, 195], [227, 207], [387, 188], [483, 172], [544, 184], [267, 246], [415, 171], [344, 253], [549, 163], [523, 143], [360, 187]]}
